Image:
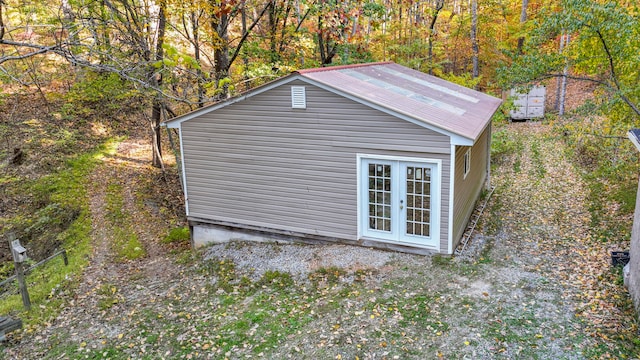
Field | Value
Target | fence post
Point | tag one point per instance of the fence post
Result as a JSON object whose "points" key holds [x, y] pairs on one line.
{"points": [[26, 301], [19, 256]]}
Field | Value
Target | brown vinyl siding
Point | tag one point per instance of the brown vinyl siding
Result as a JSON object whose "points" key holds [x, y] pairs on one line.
{"points": [[261, 163], [467, 190]]}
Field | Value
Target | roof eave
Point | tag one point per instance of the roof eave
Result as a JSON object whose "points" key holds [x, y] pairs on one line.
{"points": [[634, 136]]}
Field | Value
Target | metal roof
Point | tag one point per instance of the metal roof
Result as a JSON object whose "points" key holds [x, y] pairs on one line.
{"points": [[411, 94], [423, 97]]}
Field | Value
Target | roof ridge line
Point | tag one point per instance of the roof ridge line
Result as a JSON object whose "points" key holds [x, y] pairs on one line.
{"points": [[340, 67]]}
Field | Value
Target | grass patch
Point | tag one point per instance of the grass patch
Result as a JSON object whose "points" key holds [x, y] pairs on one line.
{"points": [[504, 145], [441, 260], [536, 157], [176, 235], [518, 326], [255, 316], [609, 167], [65, 189], [267, 317], [126, 244], [491, 222], [224, 273], [276, 279], [325, 277], [108, 294]]}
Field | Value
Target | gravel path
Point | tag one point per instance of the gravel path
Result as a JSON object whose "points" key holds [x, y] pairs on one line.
{"points": [[299, 260]]}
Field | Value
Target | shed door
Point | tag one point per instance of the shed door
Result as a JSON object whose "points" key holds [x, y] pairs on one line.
{"points": [[399, 201]]}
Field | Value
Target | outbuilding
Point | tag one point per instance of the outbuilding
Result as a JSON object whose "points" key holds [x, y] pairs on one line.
{"points": [[372, 154]]}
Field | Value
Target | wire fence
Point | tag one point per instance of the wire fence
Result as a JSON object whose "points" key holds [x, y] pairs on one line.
{"points": [[7, 286]]}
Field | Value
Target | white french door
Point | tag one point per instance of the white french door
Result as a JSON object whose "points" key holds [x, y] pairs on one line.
{"points": [[399, 200]]}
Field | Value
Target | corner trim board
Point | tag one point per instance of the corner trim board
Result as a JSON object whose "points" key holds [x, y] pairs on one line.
{"points": [[452, 178], [184, 174]]}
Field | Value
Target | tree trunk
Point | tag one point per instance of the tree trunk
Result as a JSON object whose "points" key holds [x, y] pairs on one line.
{"points": [[220, 24], [273, 30], [283, 33], [474, 37], [245, 58], [68, 24], [195, 22], [559, 79], [1, 22], [326, 50], [156, 110], [399, 28], [102, 32], [432, 29], [563, 88], [523, 19]]}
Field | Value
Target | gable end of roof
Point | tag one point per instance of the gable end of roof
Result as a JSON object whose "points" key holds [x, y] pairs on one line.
{"points": [[175, 122]]}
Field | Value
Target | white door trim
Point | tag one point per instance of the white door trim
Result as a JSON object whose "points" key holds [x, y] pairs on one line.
{"points": [[433, 242]]}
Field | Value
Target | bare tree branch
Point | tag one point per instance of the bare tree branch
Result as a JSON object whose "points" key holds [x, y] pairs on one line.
{"points": [[246, 34], [614, 76], [303, 19], [42, 50]]}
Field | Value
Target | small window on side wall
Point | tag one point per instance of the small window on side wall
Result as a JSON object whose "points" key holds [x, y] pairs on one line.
{"points": [[467, 162], [298, 97]]}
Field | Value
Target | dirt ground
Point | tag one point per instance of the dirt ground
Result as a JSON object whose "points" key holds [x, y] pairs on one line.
{"points": [[533, 285]]}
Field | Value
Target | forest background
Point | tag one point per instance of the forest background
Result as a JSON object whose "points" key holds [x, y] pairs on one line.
{"points": [[167, 57]]}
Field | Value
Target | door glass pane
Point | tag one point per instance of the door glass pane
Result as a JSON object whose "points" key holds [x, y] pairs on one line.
{"points": [[425, 216], [379, 179], [386, 225], [418, 200]]}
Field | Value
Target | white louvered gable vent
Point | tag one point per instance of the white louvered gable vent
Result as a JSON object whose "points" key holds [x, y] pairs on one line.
{"points": [[298, 97]]}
